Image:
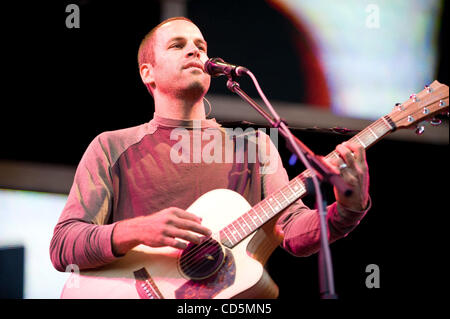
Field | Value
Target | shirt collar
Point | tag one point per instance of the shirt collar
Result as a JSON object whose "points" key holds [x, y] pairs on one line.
{"points": [[170, 122]]}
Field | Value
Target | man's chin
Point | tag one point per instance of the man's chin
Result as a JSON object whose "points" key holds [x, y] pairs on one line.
{"points": [[201, 84], [195, 90]]}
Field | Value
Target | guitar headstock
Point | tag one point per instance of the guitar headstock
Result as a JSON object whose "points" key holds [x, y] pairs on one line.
{"points": [[427, 103]]}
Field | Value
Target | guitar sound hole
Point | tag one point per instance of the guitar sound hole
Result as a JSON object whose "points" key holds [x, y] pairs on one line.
{"points": [[200, 261]]}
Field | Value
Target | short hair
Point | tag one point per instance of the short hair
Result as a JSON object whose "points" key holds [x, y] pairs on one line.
{"points": [[145, 53]]}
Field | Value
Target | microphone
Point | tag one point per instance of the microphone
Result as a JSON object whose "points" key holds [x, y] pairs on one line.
{"points": [[217, 67]]}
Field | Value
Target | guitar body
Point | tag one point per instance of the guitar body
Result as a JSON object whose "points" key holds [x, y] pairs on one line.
{"points": [[241, 274]]}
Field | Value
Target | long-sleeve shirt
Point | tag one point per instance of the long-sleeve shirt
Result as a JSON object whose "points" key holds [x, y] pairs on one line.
{"points": [[164, 163]]}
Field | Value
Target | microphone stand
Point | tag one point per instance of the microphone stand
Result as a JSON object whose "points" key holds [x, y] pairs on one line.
{"points": [[318, 169]]}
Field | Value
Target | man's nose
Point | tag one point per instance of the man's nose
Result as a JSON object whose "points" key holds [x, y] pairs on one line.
{"points": [[193, 51]]}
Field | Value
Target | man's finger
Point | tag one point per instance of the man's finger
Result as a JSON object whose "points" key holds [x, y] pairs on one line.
{"points": [[346, 154], [173, 242], [184, 234], [192, 226], [186, 215], [358, 150]]}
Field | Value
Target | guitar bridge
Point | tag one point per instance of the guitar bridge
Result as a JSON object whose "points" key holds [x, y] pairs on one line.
{"points": [[145, 285]]}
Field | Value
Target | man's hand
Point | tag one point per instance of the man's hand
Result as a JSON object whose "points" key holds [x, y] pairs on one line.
{"points": [[160, 229], [353, 168]]}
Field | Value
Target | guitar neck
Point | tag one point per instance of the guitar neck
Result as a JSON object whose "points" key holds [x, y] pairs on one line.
{"points": [[246, 224]]}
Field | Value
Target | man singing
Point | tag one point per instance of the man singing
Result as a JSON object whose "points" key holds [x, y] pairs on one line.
{"points": [[128, 190]]}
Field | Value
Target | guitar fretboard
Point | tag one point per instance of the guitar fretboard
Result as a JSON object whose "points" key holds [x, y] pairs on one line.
{"points": [[262, 212]]}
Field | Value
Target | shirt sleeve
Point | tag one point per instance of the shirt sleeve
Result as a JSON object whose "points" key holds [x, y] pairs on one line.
{"points": [[82, 236], [300, 224]]}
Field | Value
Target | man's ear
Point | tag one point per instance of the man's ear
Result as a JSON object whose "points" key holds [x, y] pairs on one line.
{"points": [[146, 71]]}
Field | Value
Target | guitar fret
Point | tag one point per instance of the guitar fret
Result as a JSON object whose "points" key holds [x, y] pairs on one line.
{"points": [[301, 185], [291, 189], [293, 196], [243, 224], [287, 200], [237, 230], [250, 217], [360, 142], [256, 215], [228, 238], [366, 137], [296, 187], [279, 204], [371, 131], [333, 154], [226, 231], [270, 205], [264, 211], [233, 232], [248, 226]]}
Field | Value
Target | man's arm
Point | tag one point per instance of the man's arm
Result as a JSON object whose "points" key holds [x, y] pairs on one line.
{"points": [[299, 225], [81, 235]]}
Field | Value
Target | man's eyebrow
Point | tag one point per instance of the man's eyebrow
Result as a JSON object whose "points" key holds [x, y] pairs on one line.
{"points": [[201, 41], [175, 39], [196, 41]]}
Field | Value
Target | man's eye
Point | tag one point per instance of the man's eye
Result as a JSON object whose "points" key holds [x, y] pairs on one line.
{"points": [[177, 45]]}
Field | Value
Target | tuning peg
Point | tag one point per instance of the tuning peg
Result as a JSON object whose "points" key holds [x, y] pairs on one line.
{"points": [[435, 121], [420, 129], [413, 97], [429, 89], [399, 107]]}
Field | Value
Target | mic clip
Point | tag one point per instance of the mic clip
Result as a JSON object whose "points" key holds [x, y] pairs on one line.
{"points": [[278, 122]]}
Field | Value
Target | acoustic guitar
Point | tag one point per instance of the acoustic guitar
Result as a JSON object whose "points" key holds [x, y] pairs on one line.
{"points": [[230, 263]]}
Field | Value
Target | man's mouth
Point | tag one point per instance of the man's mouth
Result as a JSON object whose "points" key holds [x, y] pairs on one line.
{"points": [[196, 65]]}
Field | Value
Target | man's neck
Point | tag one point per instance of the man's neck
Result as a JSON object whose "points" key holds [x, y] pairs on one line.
{"points": [[180, 109]]}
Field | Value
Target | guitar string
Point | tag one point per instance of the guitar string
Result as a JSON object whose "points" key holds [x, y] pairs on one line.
{"points": [[186, 261], [193, 251], [296, 179], [190, 256], [189, 259], [369, 131]]}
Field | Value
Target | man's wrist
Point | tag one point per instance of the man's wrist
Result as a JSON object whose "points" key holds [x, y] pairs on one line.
{"points": [[123, 237], [359, 209]]}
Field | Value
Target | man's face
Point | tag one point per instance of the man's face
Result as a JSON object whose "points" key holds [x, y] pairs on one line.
{"points": [[179, 54]]}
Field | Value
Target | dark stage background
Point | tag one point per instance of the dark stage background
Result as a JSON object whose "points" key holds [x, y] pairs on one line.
{"points": [[65, 86]]}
